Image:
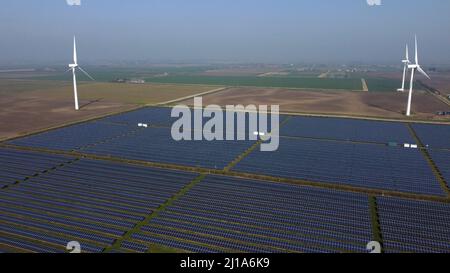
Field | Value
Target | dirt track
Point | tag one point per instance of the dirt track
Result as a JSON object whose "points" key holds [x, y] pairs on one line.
{"points": [[384, 105]]}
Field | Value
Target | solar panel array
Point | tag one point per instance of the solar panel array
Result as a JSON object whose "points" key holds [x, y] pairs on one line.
{"points": [[154, 116], [74, 137], [360, 165], [228, 214], [347, 129], [414, 226], [18, 165], [52, 199], [433, 135], [157, 145], [442, 160], [92, 202]]}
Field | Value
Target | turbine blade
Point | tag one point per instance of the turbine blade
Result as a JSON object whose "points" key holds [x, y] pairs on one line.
{"points": [[416, 57], [423, 72], [85, 73], [75, 61]]}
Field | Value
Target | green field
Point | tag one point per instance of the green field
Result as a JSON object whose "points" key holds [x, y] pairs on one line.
{"points": [[383, 85], [108, 74], [284, 82]]}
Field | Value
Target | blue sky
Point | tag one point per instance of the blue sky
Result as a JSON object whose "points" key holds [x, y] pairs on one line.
{"points": [[323, 31]]}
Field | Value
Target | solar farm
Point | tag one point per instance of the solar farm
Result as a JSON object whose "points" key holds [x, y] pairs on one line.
{"points": [[333, 186]]}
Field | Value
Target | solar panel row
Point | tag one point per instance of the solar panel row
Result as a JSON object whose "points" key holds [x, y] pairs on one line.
{"points": [[96, 202], [133, 246], [24, 246], [360, 165], [154, 116], [92, 202], [161, 117], [157, 145], [172, 243], [354, 165], [433, 135], [18, 165], [347, 129], [442, 160], [75, 137], [414, 226], [218, 213]]}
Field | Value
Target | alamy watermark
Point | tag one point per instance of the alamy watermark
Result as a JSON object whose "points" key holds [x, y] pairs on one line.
{"points": [[235, 123]]}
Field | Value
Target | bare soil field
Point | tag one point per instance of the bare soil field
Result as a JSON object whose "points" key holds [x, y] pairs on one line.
{"points": [[441, 82], [29, 106], [363, 104], [25, 113]]}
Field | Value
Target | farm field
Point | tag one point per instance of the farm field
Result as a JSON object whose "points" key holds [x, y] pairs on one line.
{"points": [[117, 187], [279, 81], [383, 85], [40, 104], [363, 104]]}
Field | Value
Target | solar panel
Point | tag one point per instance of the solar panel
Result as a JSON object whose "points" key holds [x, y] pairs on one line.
{"points": [[17, 165], [433, 135], [227, 219], [354, 164], [347, 129], [414, 226], [89, 201]]}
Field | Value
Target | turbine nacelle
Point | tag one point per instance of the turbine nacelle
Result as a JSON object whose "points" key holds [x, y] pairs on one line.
{"points": [[73, 65]]}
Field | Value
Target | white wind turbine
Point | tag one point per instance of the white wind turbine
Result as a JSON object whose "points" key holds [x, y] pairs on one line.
{"points": [[74, 67], [406, 62], [413, 68]]}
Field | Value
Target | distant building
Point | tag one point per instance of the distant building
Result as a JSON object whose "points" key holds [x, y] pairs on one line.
{"points": [[136, 81], [120, 80], [442, 113], [132, 81]]}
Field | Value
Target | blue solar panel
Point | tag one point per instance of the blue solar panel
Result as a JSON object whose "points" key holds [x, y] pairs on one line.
{"points": [[189, 247], [96, 202], [120, 135], [442, 160], [360, 165], [414, 226], [17, 165], [25, 246], [347, 129], [433, 135], [134, 246], [76, 136], [93, 202], [157, 145], [239, 215], [153, 116]]}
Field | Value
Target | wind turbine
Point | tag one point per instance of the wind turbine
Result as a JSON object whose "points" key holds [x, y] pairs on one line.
{"points": [[406, 62], [74, 67], [413, 68]]}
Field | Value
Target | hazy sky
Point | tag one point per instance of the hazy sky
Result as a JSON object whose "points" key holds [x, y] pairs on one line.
{"points": [[229, 30]]}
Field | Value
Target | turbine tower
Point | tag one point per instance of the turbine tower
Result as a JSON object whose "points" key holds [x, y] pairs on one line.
{"points": [[413, 68], [405, 62], [74, 67]]}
